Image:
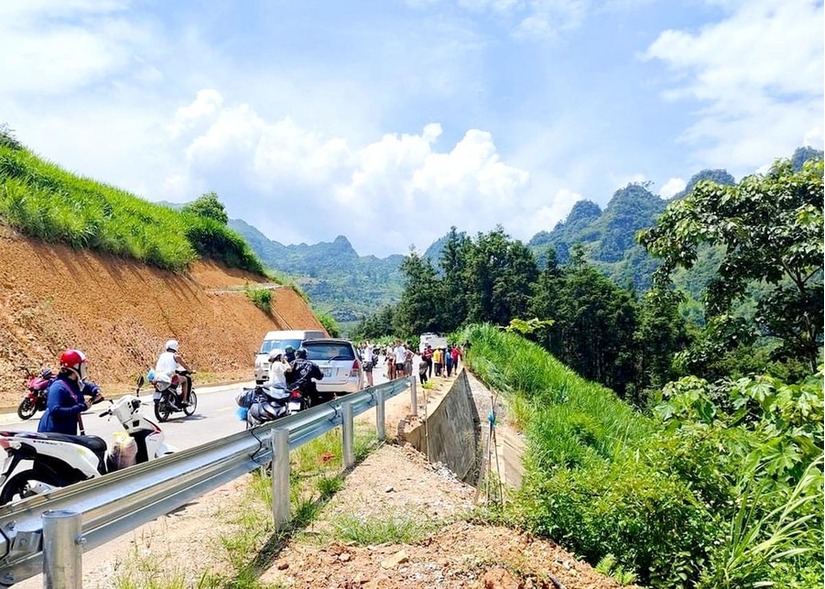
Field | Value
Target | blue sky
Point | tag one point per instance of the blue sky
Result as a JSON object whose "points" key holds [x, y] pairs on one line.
{"points": [[388, 121]]}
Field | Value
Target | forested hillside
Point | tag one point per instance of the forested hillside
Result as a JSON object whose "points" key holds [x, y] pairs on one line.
{"points": [[680, 454], [334, 276]]}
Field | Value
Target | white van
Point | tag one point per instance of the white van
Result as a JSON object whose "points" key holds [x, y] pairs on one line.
{"points": [[435, 341], [281, 339]]}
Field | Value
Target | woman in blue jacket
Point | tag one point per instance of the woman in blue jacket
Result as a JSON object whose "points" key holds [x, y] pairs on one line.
{"points": [[64, 402]]}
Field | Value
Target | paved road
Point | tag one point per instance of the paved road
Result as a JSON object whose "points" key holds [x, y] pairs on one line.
{"points": [[215, 417]]}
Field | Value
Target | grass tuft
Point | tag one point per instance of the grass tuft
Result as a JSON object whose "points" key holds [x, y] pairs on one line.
{"points": [[385, 529]]}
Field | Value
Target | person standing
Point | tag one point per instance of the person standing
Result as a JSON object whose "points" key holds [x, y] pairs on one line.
{"points": [[427, 356], [448, 361], [456, 354], [400, 360], [423, 366], [438, 360], [368, 361], [389, 357], [409, 355]]}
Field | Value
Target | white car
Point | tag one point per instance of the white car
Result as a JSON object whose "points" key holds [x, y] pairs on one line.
{"points": [[339, 362], [280, 339]]}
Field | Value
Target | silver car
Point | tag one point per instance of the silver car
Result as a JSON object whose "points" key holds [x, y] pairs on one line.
{"points": [[340, 364]]}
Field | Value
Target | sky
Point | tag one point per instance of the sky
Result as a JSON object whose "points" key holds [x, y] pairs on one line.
{"points": [[389, 121]]}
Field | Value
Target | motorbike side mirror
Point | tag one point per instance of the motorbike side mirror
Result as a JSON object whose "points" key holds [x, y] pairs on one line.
{"points": [[140, 383]]}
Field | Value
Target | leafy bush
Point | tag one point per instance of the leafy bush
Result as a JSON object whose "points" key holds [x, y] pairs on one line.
{"points": [[721, 487], [260, 297], [329, 323]]}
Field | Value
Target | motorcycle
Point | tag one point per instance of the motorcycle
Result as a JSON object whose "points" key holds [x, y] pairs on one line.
{"points": [[264, 404], [167, 398], [38, 389], [59, 460]]}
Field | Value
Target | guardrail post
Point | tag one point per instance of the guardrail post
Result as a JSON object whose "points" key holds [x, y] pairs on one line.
{"points": [[380, 416], [280, 477], [413, 396], [62, 550], [348, 453]]}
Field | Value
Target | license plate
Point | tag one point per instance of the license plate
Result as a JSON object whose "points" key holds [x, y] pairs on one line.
{"points": [[327, 372], [294, 406]]}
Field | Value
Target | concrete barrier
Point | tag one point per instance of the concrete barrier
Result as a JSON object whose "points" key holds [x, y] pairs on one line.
{"points": [[451, 433]]}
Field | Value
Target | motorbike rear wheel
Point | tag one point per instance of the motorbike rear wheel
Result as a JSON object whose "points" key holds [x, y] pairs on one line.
{"points": [[15, 488], [26, 409], [193, 404], [162, 410]]}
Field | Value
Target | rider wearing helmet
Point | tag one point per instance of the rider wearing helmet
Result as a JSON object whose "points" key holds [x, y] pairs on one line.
{"points": [[304, 371], [172, 363], [278, 369], [289, 354], [64, 402]]}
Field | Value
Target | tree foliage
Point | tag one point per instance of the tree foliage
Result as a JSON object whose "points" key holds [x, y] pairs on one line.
{"points": [[770, 228], [208, 205]]}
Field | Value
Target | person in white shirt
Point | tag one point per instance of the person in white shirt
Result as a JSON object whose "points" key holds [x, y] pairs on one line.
{"points": [[368, 361], [170, 362], [400, 359], [278, 368]]}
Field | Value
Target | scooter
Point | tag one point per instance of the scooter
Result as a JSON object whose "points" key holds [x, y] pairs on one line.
{"points": [[35, 399], [58, 460], [264, 404], [167, 398]]}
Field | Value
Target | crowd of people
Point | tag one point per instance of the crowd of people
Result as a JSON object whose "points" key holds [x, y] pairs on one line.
{"points": [[399, 358]]}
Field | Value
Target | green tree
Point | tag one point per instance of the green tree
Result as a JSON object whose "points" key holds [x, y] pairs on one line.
{"points": [[418, 310], [770, 228], [501, 274], [661, 333], [453, 263], [208, 205], [594, 322]]}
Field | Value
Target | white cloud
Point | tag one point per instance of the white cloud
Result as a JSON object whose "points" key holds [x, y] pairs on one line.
{"points": [[760, 74], [49, 54], [620, 181], [383, 195], [671, 187]]}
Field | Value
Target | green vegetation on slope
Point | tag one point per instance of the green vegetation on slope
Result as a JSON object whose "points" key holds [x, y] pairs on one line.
{"points": [[41, 200], [721, 487]]}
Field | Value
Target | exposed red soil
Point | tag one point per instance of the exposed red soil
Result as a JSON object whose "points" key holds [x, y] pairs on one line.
{"points": [[120, 312]]}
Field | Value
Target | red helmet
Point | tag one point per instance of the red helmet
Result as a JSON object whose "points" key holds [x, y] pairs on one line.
{"points": [[75, 361]]}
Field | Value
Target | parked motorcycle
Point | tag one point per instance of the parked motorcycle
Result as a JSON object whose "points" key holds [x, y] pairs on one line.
{"points": [[38, 389], [167, 396], [264, 404], [59, 460]]}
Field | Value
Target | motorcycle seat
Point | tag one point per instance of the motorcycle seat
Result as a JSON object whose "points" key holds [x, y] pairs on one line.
{"points": [[93, 443]]}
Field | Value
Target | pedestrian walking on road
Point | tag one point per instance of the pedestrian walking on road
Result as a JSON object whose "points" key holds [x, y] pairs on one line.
{"points": [[448, 361]]}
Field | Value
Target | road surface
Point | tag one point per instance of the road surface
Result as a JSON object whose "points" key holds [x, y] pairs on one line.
{"points": [[215, 417]]}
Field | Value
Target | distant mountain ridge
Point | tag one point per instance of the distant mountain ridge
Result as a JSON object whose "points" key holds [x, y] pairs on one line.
{"points": [[334, 276], [350, 286]]}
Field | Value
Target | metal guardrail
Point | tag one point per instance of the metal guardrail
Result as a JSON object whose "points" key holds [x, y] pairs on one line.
{"points": [[121, 501]]}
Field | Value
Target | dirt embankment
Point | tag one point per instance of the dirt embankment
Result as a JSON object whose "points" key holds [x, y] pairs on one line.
{"points": [[121, 312]]}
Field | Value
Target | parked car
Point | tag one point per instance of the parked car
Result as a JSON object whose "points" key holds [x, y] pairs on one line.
{"points": [[280, 339], [339, 362]]}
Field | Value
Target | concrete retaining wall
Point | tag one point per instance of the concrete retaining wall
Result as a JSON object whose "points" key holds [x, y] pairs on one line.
{"points": [[451, 433]]}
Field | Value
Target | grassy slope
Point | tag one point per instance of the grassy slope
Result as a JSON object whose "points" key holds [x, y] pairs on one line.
{"points": [[42, 200]]}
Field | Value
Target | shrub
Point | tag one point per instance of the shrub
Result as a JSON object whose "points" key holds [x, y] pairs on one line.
{"points": [[722, 487], [260, 297]]}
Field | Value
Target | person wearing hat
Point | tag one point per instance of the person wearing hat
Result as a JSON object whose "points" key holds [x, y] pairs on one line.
{"points": [[278, 367]]}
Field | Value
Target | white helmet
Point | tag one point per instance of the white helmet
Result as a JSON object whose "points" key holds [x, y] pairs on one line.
{"points": [[274, 353], [172, 345]]}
